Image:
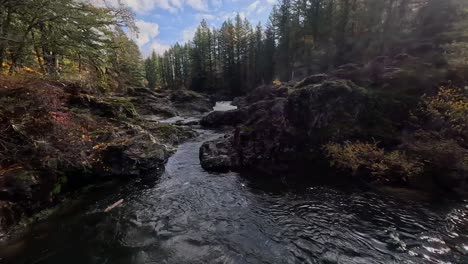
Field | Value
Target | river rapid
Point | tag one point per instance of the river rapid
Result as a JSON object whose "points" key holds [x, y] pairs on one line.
{"points": [[189, 215]]}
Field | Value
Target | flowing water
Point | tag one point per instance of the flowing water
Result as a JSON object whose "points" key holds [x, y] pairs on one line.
{"points": [[189, 215]]}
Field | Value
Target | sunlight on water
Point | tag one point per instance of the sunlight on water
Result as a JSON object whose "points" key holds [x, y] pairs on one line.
{"points": [[224, 106]]}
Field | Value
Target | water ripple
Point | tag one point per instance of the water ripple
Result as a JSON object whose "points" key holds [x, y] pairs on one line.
{"points": [[191, 216]]}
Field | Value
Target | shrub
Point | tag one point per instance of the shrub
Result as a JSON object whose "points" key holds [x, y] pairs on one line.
{"points": [[440, 135], [445, 114], [368, 158]]}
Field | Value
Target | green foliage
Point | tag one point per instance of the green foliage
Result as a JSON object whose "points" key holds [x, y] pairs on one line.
{"points": [[231, 60], [125, 63], [440, 135], [68, 39], [151, 70], [59, 185]]}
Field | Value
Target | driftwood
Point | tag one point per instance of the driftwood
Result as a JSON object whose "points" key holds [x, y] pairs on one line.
{"points": [[114, 205]]}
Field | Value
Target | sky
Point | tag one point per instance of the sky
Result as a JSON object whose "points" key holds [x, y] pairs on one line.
{"points": [[162, 23]]}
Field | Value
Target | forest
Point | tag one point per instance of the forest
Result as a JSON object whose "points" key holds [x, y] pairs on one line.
{"points": [[77, 40], [306, 37]]}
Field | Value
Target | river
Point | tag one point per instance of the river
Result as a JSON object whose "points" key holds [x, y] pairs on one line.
{"points": [[189, 215]]}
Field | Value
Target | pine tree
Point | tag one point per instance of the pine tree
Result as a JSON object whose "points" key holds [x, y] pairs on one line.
{"points": [[151, 70]]}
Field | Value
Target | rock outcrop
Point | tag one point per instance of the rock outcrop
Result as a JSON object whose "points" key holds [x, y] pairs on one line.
{"points": [[218, 119], [293, 128], [261, 93], [170, 103], [284, 133], [216, 155]]}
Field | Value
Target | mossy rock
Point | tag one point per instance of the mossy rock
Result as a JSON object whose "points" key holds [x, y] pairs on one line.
{"points": [[117, 107], [172, 133]]}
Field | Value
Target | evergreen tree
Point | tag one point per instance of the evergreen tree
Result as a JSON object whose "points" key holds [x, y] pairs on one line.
{"points": [[151, 70]]}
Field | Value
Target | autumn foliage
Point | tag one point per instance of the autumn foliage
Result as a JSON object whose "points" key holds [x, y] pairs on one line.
{"points": [[39, 129], [434, 144]]}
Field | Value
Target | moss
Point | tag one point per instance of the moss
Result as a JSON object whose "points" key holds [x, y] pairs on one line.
{"points": [[41, 215], [168, 130], [122, 105], [62, 181]]}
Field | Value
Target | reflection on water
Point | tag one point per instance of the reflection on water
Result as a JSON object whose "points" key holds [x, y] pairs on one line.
{"points": [[191, 216]]}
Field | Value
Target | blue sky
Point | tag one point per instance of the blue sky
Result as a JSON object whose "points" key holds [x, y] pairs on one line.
{"points": [[162, 23]]}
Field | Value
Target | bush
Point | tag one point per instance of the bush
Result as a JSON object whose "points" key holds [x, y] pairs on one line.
{"points": [[368, 158], [445, 114], [440, 136]]}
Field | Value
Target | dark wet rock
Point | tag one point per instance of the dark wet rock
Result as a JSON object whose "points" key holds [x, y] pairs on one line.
{"points": [[216, 155], [149, 102], [110, 106], [261, 93], [239, 101], [10, 214], [134, 157], [189, 102], [224, 118], [313, 79], [283, 134], [171, 134], [20, 193], [19, 184], [187, 122], [170, 103]]}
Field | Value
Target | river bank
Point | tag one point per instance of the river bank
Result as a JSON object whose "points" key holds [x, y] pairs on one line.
{"points": [[59, 137]]}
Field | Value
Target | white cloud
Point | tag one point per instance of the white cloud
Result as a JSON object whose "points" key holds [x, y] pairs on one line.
{"points": [[177, 3], [252, 7], [147, 38], [216, 3], [187, 34], [200, 5], [158, 48], [271, 2], [144, 6], [261, 9], [147, 31]]}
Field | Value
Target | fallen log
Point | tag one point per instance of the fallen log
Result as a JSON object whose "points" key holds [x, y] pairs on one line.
{"points": [[114, 205]]}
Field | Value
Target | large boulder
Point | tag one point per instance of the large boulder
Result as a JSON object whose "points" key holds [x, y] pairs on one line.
{"points": [[109, 106], [133, 157], [261, 93], [313, 79], [170, 103], [224, 118], [190, 102], [284, 134], [216, 155], [149, 102]]}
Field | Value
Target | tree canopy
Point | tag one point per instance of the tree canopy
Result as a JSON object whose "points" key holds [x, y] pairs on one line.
{"points": [[68, 38], [304, 37]]}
